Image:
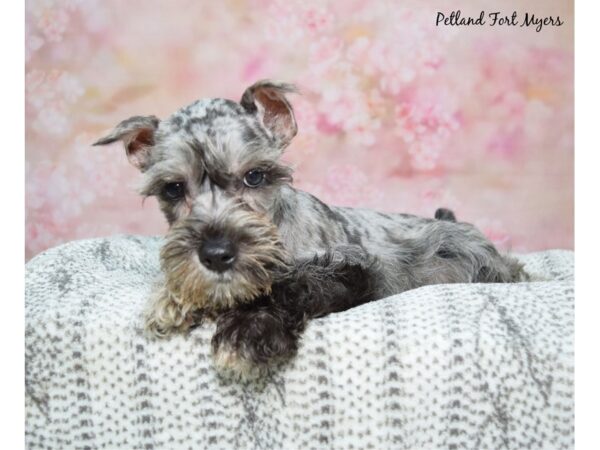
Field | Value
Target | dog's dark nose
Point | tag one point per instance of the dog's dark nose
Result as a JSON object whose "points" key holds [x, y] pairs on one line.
{"points": [[217, 254]]}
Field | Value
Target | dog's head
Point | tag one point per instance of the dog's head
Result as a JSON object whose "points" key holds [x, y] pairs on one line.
{"points": [[214, 168]]}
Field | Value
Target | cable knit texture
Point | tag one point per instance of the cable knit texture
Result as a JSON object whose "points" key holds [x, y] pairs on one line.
{"points": [[448, 366]]}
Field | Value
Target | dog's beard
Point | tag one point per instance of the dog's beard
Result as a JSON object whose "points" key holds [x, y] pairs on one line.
{"points": [[192, 286]]}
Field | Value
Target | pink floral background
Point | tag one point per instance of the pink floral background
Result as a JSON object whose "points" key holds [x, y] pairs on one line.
{"points": [[395, 113]]}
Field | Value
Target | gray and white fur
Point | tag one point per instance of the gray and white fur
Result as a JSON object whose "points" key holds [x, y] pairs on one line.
{"points": [[248, 250]]}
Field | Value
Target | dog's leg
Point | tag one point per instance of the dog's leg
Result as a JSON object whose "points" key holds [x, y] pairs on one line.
{"points": [[446, 252], [165, 315], [254, 336], [339, 279], [250, 338]]}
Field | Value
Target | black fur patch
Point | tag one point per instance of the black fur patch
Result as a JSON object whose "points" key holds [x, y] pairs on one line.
{"points": [[445, 214], [267, 330], [446, 253]]}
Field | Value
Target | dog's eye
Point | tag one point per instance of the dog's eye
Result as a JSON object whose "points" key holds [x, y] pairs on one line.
{"points": [[254, 178], [173, 191]]}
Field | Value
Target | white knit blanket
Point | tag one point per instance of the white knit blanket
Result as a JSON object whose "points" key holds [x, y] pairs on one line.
{"points": [[480, 366]]}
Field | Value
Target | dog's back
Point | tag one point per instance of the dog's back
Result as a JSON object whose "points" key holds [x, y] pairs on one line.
{"points": [[414, 251]]}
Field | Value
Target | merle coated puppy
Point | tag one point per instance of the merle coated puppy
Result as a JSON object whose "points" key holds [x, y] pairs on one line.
{"points": [[260, 257]]}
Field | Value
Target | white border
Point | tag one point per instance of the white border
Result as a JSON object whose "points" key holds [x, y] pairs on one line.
{"points": [[587, 248], [12, 24]]}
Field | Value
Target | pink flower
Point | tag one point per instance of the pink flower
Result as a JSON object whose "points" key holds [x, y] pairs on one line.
{"points": [[317, 20], [53, 24], [426, 127], [33, 43]]}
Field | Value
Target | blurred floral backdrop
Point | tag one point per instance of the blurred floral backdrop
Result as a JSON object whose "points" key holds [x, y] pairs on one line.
{"points": [[395, 113]]}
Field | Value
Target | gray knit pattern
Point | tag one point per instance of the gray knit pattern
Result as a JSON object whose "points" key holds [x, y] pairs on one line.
{"points": [[480, 366]]}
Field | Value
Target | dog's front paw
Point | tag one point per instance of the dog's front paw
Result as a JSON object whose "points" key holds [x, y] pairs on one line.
{"points": [[159, 326], [248, 343], [165, 316], [234, 362]]}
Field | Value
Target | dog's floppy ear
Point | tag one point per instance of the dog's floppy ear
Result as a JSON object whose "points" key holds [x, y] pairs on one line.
{"points": [[267, 100], [137, 135]]}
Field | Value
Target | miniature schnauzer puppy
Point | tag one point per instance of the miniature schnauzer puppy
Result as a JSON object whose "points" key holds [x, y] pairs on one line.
{"points": [[259, 257]]}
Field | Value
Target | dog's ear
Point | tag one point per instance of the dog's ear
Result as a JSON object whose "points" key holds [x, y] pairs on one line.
{"points": [[137, 135], [267, 100]]}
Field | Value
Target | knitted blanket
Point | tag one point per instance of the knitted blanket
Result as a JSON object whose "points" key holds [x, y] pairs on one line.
{"points": [[479, 366]]}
